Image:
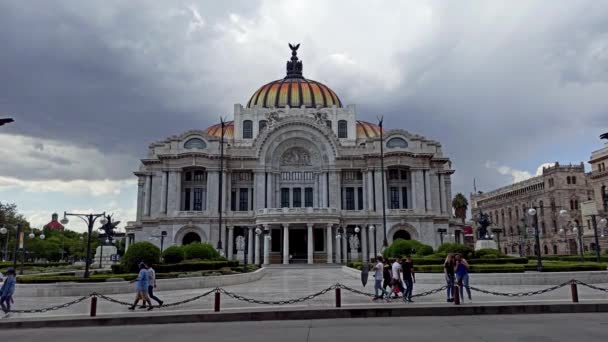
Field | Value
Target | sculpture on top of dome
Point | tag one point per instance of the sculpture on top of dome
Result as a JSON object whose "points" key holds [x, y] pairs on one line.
{"points": [[294, 67]]}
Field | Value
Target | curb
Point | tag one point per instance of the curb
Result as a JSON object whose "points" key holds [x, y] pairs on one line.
{"points": [[303, 314]]}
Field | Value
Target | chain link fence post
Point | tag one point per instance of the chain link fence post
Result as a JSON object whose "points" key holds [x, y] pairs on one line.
{"points": [[338, 297], [216, 306], [574, 292], [93, 312], [456, 294]]}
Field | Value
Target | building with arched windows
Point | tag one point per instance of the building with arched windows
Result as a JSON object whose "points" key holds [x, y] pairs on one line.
{"points": [[300, 166]]}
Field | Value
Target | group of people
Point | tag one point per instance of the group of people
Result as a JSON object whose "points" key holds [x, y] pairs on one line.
{"points": [[399, 276], [145, 285]]}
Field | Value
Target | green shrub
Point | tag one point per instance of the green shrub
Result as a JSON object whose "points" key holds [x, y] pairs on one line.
{"points": [[499, 261], [456, 248], [507, 268], [359, 265], [571, 258], [191, 266], [429, 260], [173, 255], [487, 253], [139, 252], [202, 251], [567, 267], [400, 248]]}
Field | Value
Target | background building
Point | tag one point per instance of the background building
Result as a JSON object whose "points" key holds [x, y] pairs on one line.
{"points": [[559, 187], [298, 165]]}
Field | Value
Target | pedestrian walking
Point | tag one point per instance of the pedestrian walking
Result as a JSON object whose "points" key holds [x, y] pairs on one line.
{"points": [[141, 287], [396, 281], [378, 277], [152, 285], [462, 276], [448, 270], [409, 278], [7, 290], [386, 276]]}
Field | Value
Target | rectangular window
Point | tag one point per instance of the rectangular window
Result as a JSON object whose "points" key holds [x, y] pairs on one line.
{"points": [[251, 206], [393, 174], [199, 176], [308, 197], [187, 199], [342, 129], [319, 239], [198, 199], [394, 198], [233, 200], [360, 198], [276, 241], [297, 197], [284, 197], [188, 176], [350, 198], [403, 175], [404, 198], [243, 199]]}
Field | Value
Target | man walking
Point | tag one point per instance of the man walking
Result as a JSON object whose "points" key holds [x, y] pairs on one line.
{"points": [[378, 271], [409, 278], [396, 277], [152, 285]]}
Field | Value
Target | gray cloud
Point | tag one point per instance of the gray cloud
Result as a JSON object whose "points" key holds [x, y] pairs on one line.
{"points": [[516, 84]]}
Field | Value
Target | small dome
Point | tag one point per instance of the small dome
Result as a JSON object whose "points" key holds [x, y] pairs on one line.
{"points": [[216, 130], [294, 90]]}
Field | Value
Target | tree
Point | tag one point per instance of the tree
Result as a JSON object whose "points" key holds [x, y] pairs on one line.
{"points": [[460, 205]]}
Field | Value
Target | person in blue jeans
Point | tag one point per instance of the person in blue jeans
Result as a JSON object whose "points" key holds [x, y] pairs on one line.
{"points": [[378, 277], [7, 290], [409, 278], [141, 287], [448, 270], [462, 276]]}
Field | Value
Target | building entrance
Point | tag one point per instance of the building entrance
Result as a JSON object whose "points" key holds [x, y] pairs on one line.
{"points": [[298, 246]]}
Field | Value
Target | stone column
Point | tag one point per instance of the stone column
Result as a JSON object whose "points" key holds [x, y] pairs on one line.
{"points": [[266, 245], [370, 233], [414, 179], [338, 249], [344, 246], [250, 245], [365, 256], [213, 179], [178, 192], [256, 252], [147, 193], [224, 240], [322, 190], [369, 190], [310, 244], [230, 242], [329, 244], [140, 198], [334, 190], [441, 194], [285, 244], [163, 192], [173, 193], [427, 186]]}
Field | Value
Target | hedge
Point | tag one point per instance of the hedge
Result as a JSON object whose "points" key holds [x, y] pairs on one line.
{"points": [[498, 261], [550, 267], [97, 278], [507, 268], [195, 266], [173, 255], [400, 248], [202, 251], [139, 252], [456, 248], [574, 258], [7, 264]]}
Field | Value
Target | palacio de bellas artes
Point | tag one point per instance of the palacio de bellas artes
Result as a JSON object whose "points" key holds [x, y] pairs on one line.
{"points": [[298, 177]]}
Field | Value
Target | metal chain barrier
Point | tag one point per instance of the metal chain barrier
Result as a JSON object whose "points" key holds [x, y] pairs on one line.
{"points": [[276, 302], [54, 307], [574, 281], [430, 292], [191, 299], [521, 294], [110, 299]]}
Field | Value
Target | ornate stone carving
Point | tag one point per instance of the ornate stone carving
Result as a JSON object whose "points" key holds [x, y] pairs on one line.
{"points": [[354, 242], [320, 117], [240, 243], [296, 156], [272, 118]]}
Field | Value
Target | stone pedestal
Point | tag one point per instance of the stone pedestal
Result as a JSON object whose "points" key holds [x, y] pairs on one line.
{"points": [[106, 260], [240, 256], [354, 256], [483, 244]]}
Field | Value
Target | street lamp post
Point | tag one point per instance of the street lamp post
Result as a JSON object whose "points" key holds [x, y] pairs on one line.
{"points": [[384, 241], [4, 233], [89, 219], [162, 237], [220, 185], [441, 231], [496, 235], [31, 236], [539, 263]]}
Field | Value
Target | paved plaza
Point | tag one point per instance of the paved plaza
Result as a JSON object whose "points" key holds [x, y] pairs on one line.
{"points": [[554, 327], [290, 283]]}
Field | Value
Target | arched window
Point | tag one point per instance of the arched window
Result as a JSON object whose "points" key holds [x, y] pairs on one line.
{"points": [[544, 227], [195, 143], [541, 208], [247, 129], [568, 179], [546, 249], [262, 124], [396, 143], [511, 231], [554, 249], [573, 180], [605, 197], [342, 129]]}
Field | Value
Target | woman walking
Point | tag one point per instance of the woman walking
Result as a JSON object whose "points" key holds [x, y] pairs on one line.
{"points": [[142, 283], [378, 276], [462, 276], [7, 290], [448, 270]]}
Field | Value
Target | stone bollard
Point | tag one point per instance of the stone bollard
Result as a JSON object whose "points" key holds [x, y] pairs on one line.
{"points": [[338, 297], [93, 306], [574, 291], [216, 306], [456, 294]]}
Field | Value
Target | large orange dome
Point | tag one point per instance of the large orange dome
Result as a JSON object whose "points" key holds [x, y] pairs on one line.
{"points": [[294, 90]]}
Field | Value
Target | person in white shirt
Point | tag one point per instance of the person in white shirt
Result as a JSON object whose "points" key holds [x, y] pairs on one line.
{"points": [[152, 285], [378, 269], [396, 277]]}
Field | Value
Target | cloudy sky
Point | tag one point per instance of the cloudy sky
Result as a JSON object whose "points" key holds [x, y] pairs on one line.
{"points": [[505, 86]]}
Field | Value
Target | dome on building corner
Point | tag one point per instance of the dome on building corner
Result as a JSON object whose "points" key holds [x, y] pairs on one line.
{"points": [[294, 90]]}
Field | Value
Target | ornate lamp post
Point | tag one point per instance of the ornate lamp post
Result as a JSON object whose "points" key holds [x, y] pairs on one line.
{"points": [[496, 235], [89, 219], [4, 232], [384, 241], [220, 205], [31, 236]]}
